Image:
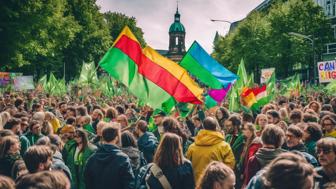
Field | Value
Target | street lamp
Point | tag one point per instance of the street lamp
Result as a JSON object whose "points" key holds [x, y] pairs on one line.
{"points": [[225, 21], [313, 47], [214, 20]]}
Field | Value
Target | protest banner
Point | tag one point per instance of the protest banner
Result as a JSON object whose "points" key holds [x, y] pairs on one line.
{"points": [[327, 71], [4, 79], [23, 83], [266, 74]]}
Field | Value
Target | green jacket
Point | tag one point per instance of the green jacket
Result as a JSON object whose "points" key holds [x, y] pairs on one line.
{"points": [[237, 144], [32, 138], [25, 144], [77, 167], [311, 145]]}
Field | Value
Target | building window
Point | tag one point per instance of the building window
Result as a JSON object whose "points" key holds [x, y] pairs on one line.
{"points": [[176, 41], [328, 8]]}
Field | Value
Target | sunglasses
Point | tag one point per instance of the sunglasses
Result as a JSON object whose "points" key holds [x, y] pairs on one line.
{"points": [[324, 150]]}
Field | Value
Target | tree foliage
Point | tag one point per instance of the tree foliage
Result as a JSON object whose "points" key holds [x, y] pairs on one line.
{"points": [[263, 39], [117, 21], [42, 36]]}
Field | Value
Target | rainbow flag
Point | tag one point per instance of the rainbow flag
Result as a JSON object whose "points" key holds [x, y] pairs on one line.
{"points": [[151, 77]]}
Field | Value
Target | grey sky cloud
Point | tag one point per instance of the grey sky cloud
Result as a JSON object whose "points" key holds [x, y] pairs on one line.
{"points": [[155, 17]]}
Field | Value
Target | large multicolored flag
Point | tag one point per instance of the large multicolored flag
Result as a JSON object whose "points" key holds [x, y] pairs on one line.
{"points": [[206, 69], [154, 79], [209, 72]]}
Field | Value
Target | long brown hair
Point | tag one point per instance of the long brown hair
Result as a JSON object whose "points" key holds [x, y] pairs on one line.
{"points": [[84, 136], [169, 152], [6, 143], [248, 142]]}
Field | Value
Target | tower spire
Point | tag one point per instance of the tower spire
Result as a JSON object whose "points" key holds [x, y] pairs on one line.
{"points": [[176, 6]]}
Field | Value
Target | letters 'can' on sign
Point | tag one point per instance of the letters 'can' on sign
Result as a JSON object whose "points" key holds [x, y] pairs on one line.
{"points": [[327, 71]]}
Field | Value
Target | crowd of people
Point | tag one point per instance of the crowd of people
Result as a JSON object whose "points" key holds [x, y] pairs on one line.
{"points": [[49, 142]]}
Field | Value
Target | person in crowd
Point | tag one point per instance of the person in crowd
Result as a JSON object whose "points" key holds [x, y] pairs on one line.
{"points": [[5, 116], [97, 116], [76, 155], [53, 121], [284, 114], [197, 124], [251, 145], [326, 153], [109, 166], [217, 175], [130, 148], [84, 122], [98, 138], [67, 133], [311, 134], [38, 158], [24, 124], [246, 118], [147, 142], [131, 115], [171, 125], [273, 117], [288, 170], [6, 182], [71, 121], [10, 158], [295, 117], [314, 105], [61, 111], [81, 111], [56, 145], [272, 139], [111, 114], [122, 120], [169, 168], [34, 132], [158, 128], [328, 124], [260, 123], [70, 112], [222, 114], [44, 180], [293, 140], [14, 125], [209, 146], [234, 135]]}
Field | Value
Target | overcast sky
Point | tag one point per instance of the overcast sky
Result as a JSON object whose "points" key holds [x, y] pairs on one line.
{"points": [[155, 17]]}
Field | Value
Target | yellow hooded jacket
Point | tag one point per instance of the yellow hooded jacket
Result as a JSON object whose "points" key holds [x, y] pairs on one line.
{"points": [[209, 146]]}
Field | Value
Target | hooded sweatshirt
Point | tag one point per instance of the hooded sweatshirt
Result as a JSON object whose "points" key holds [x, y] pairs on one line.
{"points": [[263, 157], [109, 167], [209, 146]]}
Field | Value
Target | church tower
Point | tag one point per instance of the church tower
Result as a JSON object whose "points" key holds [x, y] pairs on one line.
{"points": [[176, 49]]}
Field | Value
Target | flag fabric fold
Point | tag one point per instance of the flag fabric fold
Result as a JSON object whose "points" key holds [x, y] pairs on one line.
{"points": [[144, 73], [219, 94]]}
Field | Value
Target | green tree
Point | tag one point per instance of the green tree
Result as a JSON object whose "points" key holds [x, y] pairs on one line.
{"points": [[263, 40], [33, 34], [117, 21], [93, 40]]}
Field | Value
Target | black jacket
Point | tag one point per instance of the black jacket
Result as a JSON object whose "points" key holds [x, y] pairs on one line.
{"points": [[147, 144], [180, 177], [109, 167]]}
